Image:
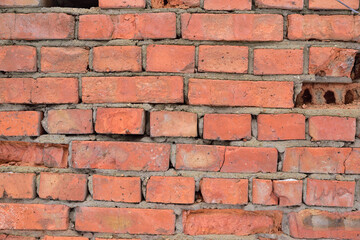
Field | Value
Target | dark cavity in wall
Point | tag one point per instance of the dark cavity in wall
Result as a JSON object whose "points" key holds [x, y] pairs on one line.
{"points": [[355, 73], [73, 3]]}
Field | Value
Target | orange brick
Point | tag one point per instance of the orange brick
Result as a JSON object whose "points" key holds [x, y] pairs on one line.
{"points": [[283, 4], [173, 124], [288, 191], [224, 191], [352, 163], [64, 59], [63, 186], [228, 59], [70, 121], [281, 127], [232, 27], [323, 4], [236, 222], [128, 26], [116, 189], [33, 154], [241, 93], [20, 123], [170, 58], [179, 190], [315, 160], [273, 61], [322, 27], [34, 217], [151, 89], [227, 126], [122, 4], [17, 185], [120, 121], [11, 237], [330, 193], [250, 159], [227, 4], [22, 3], [17, 59], [15, 90], [131, 156], [335, 129], [138, 221], [36, 26], [117, 59], [199, 157], [262, 192]]}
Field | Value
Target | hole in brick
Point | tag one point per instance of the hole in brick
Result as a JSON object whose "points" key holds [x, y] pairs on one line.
{"points": [[321, 73], [349, 97], [355, 72], [307, 97], [330, 97], [165, 2], [74, 3]]}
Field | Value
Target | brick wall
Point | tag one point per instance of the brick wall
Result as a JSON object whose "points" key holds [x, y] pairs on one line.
{"points": [[179, 119]]}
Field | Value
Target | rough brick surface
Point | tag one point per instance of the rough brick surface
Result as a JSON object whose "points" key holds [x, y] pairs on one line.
{"points": [[69, 187], [12, 237], [336, 128], [122, 4], [283, 4], [21, 3], [175, 3], [116, 189], [224, 191], [132, 89], [70, 121], [17, 59], [117, 59], [262, 192], [20, 123], [229, 59], [125, 220], [171, 124], [232, 27], [15, 90], [121, 155], [323, 4], [288, 191], [120, 121], [17, 185], [179, 190], [227, 4]]}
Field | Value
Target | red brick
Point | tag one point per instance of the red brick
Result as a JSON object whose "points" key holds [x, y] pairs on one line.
{"points": [[288, 191], [20, 123], [117, 59], [321, 27], [34, 217], [173, 124], [250, 159], [70, 121], [231, 221], [227, 126], [116, 189], [273, 127], [330, 61], [17, 185], [224, 191], [36, 26], [199, 157], [63, 186], [17, 59], [283, 4], [22, 3], [335, 129], [120, 120], [278, 61], [128, 26], [179, 190], [132, 156], [227, 4], [175, 3], [122, 4], [55, 91], [323, 4], [64, 238], [15, 90], [330, 193], [228, 59], [33, 154], [262, 192], [151, 89], [312, 223], [241, 93], [232, 27], [315, 160], [64, 59], [11, 237], [125, 220], [170, 58], [352, 162]]}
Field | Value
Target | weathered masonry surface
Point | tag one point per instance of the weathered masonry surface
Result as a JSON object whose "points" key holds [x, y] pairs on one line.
{"points": [[179, 119]]}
